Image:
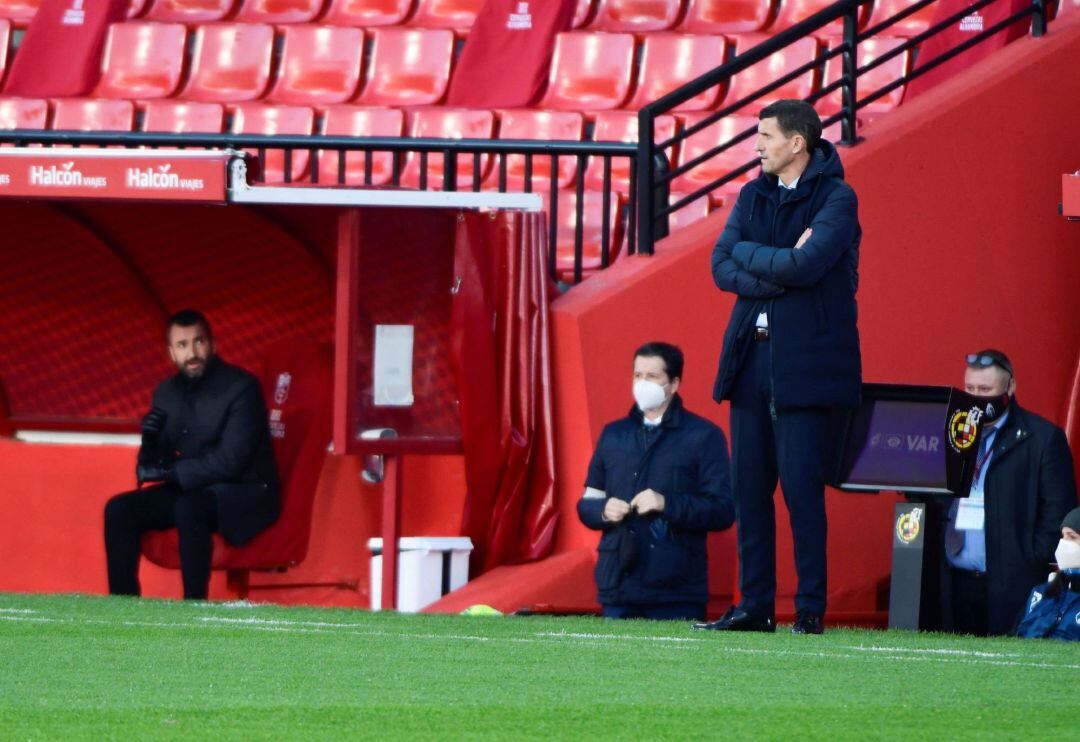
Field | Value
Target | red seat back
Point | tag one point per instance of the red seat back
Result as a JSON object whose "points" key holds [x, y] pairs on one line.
{"points": [[720, 164], [230, 62], [455, 14], [256, 118], [621, 126], [189, 11], [913, 25], [320, 65], [23, 113], [870, 82], [592, 231], [279, 11], [5, 45], [358, 121], [181, 117], [777, 65], [297, 382], [670, 60], [142, 60], [728, 16], [448, 123], [408, 67], [19, 12], [93, 114], [367, 13], [542, 125], [636, 16], [590, 71], [796, 11]]}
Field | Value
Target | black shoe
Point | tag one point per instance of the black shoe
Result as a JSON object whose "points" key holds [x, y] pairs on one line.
{"points": [[808, 623], [736, 619]]}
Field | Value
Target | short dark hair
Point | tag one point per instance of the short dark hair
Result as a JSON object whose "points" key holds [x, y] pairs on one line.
{"points": [[670, 354], [795, 117], [188, 318], [990, 357]]}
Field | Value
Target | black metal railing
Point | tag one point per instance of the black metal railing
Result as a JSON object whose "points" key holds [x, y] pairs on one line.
{"points": [[319, 147], [654, 173]]}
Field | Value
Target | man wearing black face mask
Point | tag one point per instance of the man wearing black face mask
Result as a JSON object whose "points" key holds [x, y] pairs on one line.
{"points": [[1000, 540]]}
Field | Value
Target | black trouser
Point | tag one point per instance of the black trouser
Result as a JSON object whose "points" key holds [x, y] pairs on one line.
{"points": [[792, 448], [158, 508], [969, 601]]}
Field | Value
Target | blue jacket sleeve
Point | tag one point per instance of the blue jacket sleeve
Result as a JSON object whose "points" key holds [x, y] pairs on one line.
{"points": [[710, 507], [226, 461], [727, 274], [834, 227], [591, 509]]}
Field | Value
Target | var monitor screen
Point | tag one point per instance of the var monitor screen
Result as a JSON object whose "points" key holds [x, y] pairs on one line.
{"points": [[895, 441]]}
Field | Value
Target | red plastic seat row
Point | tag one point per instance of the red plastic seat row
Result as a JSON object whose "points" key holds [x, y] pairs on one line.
{"points": [[318, 65]]}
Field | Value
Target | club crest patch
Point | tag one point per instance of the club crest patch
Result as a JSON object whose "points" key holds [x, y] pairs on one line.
{"points": [[908, 524], [964, 428]]}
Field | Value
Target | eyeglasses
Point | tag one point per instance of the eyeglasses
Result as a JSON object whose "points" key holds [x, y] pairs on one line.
{"points": [[986, 360]]}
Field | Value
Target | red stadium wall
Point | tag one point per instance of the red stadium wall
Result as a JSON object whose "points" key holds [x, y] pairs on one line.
{"points": [[962, 248]]}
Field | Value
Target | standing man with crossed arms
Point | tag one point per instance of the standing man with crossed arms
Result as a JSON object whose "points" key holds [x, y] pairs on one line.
{"points": [[790, 252]]}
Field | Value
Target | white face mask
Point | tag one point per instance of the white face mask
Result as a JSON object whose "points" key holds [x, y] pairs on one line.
{"points": [[1068, 554], [648, 394]]}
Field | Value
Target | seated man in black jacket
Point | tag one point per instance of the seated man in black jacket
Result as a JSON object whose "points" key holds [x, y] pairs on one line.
{"points": [[657, 483], [206, 449]]}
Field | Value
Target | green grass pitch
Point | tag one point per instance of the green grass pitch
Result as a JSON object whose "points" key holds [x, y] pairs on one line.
{"points": [[77, 667]]}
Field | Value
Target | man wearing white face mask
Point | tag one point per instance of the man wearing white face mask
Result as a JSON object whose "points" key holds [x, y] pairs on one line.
{"points": [[657, 483], [1000, 539], [1053, 610]]}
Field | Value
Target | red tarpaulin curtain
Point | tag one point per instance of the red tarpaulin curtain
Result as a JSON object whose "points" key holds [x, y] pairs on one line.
{"points": [[502, 354], [961, 31], [505, 64]]}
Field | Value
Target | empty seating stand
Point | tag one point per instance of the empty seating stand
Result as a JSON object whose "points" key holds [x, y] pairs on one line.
{"points": [[23, 113], [5, 44], [279, 11], [669, 61], [93, 114], [359, 168], [541, 125], [723, 163], [727, 16], [453, 14], [19, 12], [258, 118], [636, 16], [183, 117], [871, 81], [785, 61], [447, 123], [367, 13], [189, 11]]}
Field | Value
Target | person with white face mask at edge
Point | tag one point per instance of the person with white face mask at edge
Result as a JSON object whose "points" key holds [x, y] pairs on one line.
{"points": [[1053, 609], [658, 481]]}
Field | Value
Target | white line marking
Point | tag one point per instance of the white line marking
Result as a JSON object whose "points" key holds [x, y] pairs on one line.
{"points": [[917, 650], [17, 610], [620, 637]]}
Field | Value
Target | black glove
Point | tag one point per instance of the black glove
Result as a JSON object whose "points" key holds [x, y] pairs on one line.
{"points": [[154, 421], [152, 473]]}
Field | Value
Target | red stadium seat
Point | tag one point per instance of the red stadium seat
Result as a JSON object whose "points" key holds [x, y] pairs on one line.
{"points": [[356, 121], [727, 16], [636, 16], [721, 164], [408, 67], [137, 8], [319, 65], [23, 113], [592, 231], [5, 45], [367, 12], [189, 11], [279, 11], [142, 60], [19, 12], [455, 14], [230, 62], [182, 117], [92, 114], [589, 71], [691, 212], [300, 430], [913, 25], [256, 118], [670, 60], [448, 123], [796, 11], [888, 72], [782, 62], [621, 126], [541, 125]]}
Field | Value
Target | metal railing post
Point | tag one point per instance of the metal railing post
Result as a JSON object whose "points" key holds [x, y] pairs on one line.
{"points": [[1038, 19], [660, 196], [644, 199], [850, 62]]}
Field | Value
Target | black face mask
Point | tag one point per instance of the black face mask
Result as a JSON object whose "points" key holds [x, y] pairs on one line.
{"points": [[995, 407]]}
